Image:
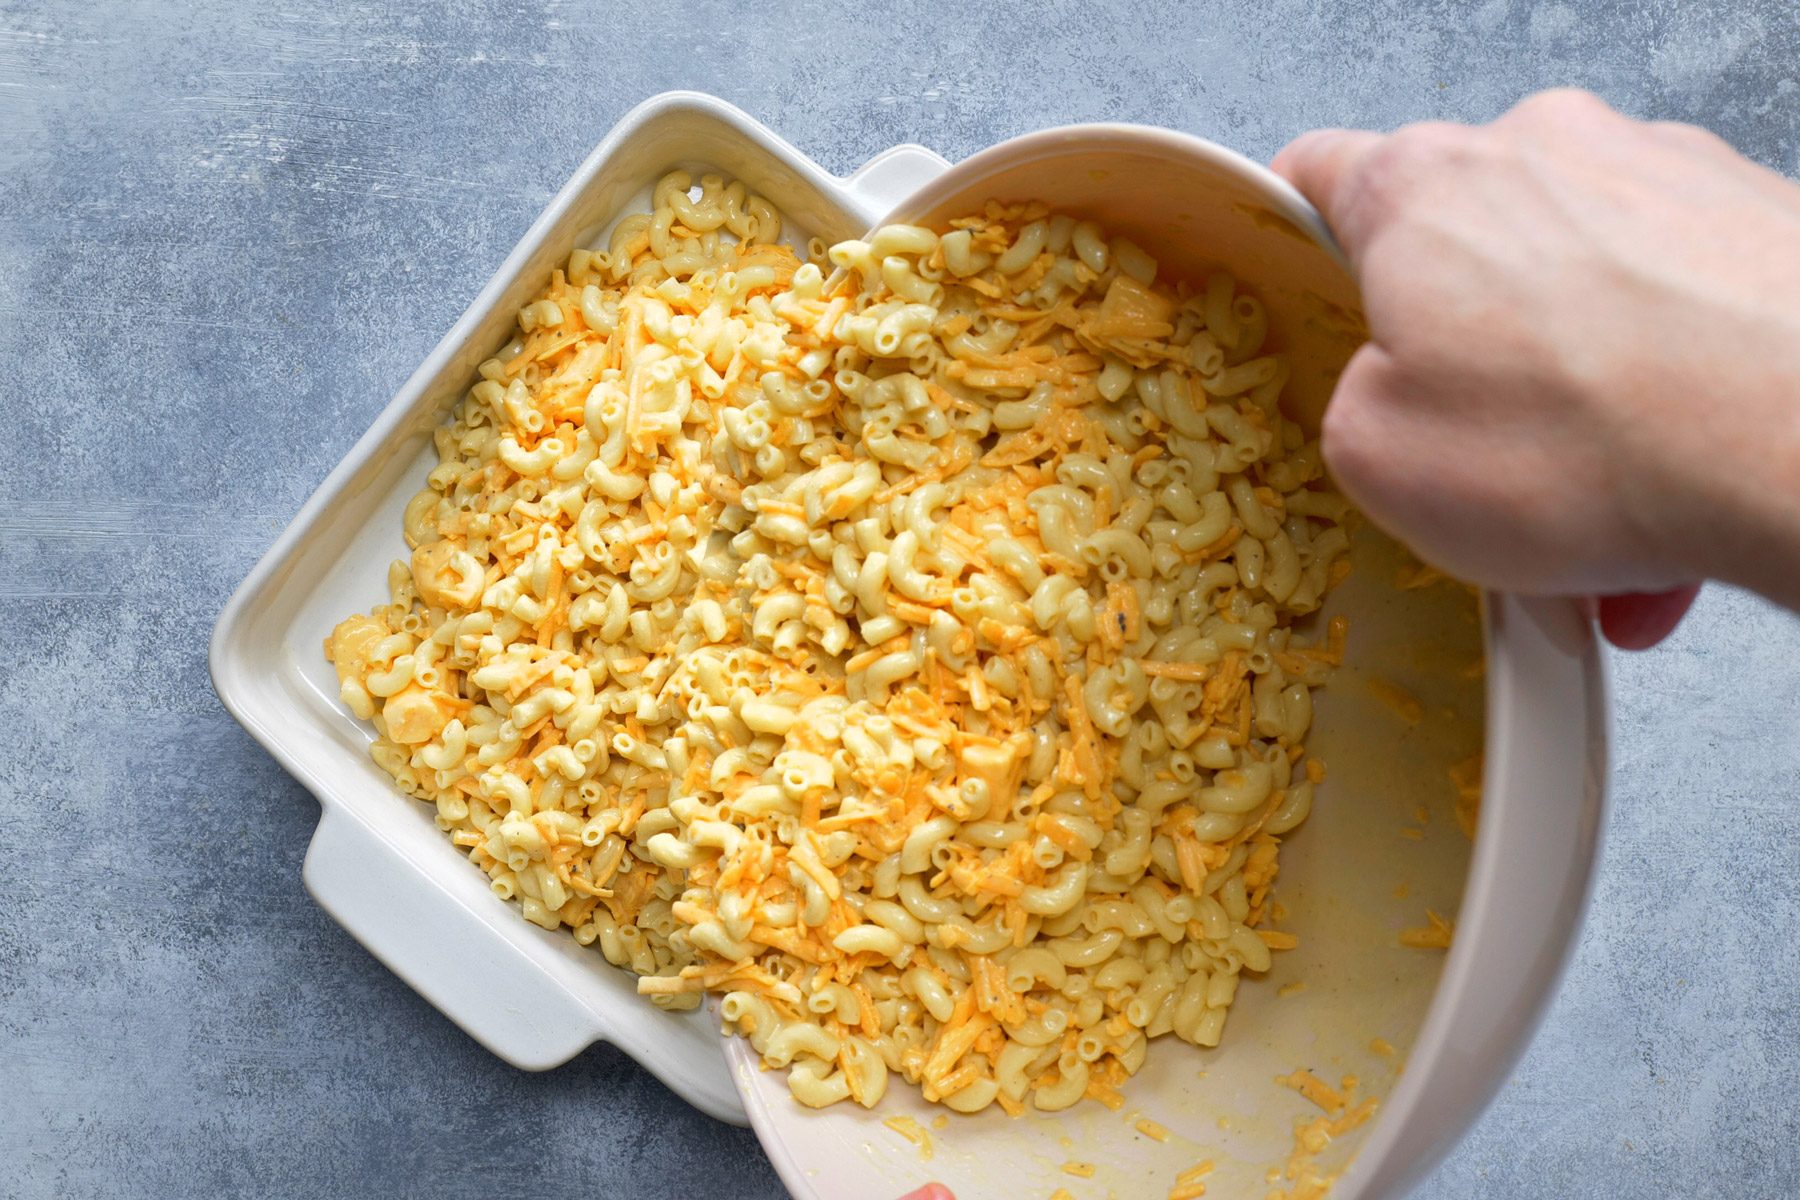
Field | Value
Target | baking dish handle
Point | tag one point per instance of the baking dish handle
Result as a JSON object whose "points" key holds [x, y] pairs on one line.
{"points": [[431, 939], [878, 186]]}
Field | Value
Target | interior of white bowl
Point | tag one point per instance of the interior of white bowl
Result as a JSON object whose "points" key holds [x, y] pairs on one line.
{"points": [[1383, 845], [1381, 848]]}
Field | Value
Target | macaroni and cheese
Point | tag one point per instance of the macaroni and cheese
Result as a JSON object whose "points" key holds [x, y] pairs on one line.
{"points": [[897, 641]]}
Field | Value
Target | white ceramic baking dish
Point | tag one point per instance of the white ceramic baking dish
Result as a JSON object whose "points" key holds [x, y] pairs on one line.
{"points": [[1352, 877], [377, 863]]}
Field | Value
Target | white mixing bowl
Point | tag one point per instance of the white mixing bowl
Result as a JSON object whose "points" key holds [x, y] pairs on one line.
{"points": [[1382, 845]]}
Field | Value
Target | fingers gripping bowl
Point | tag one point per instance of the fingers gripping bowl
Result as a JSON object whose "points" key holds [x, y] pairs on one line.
{"points": [[1338, 878]]}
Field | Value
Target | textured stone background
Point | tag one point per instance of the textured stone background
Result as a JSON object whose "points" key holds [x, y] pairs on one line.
{"points": [[228, 232]]}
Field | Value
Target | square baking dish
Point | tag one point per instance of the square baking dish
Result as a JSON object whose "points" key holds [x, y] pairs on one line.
{"points": [[378, 863]]}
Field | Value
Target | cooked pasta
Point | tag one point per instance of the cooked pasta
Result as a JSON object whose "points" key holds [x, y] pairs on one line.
{"points": [[906, 654]]}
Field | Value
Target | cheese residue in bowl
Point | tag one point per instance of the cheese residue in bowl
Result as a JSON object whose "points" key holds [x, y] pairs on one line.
{"points": [[1302, 1177], [906, 653]]}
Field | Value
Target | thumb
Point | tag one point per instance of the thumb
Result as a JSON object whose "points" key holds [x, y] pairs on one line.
{"points": [[1321, 164]]}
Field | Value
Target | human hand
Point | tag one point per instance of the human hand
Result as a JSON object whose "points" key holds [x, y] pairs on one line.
{"points": [[1583, 373]]}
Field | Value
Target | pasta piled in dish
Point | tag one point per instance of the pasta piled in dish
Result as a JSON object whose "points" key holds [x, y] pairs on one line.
{"points": [[904, 653]]}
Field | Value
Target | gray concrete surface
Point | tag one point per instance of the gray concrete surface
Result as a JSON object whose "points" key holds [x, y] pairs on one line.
{"points": [[229, 231]]}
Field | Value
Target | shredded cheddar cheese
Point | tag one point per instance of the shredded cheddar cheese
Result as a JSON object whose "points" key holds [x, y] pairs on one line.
{"points": [[1465, 777], [913, 1132], [1190, 1184], [1152, 1130], [1435, 934], [1403, 703], [1341, 1111]]}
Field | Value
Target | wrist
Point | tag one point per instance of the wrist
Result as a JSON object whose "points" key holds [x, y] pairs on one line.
{"points": [[1741, 522]]}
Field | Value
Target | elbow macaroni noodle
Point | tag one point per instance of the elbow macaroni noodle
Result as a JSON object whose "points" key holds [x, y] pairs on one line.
{"points": [[901, 646]]}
